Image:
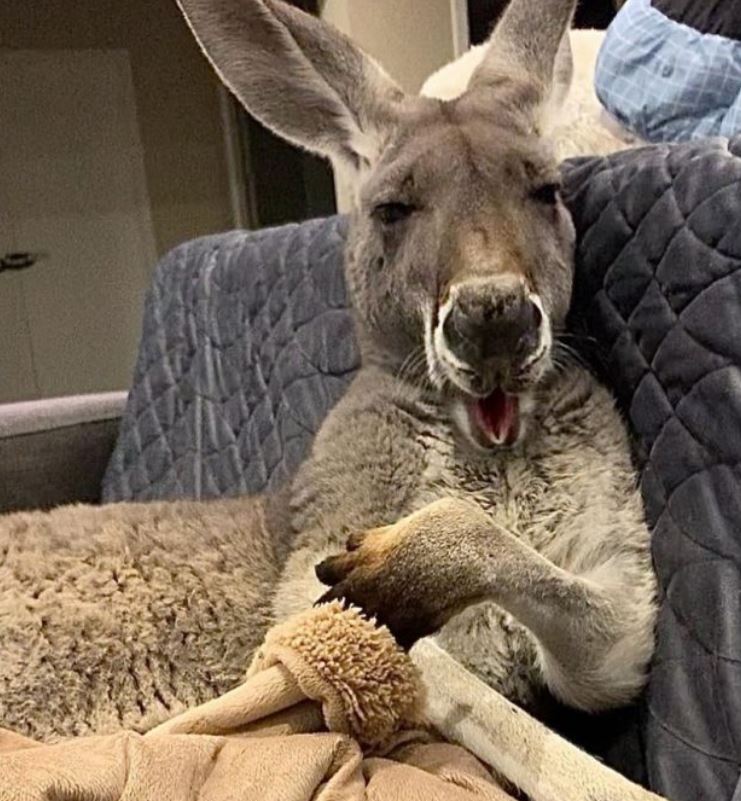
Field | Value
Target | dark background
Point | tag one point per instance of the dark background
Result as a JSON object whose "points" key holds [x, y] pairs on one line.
{"points": [[482, 14], [285, 184]]}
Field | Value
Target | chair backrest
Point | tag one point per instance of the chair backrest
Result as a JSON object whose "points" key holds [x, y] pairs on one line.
{"points": [[248, 342]]}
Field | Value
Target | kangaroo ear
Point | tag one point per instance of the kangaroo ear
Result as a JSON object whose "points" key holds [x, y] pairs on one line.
{"points": [[298, 75], [528, 62]]}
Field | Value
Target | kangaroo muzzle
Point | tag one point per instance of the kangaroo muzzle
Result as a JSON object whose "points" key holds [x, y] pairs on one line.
{"points": [[491, 333], [491, 329]]}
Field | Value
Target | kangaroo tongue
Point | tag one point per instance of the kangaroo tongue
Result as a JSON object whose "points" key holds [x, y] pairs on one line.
{"points": [[498, 417]]}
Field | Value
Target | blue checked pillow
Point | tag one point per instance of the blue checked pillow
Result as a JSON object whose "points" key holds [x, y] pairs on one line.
{"points": [[670, 70]]}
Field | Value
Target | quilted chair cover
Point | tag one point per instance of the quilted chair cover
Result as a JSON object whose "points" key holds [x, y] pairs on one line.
{"points": [[248, 342], [660, 290]]}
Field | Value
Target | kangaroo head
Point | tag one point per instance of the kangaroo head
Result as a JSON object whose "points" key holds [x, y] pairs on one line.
{"points": [[460, 254]]}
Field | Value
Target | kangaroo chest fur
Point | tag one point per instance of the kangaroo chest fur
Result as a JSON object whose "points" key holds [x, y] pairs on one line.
{"points": [[544, 493], [568, 491]]}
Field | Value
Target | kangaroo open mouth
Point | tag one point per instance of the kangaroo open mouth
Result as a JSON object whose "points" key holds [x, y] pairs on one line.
{"points": [[496, 418]]}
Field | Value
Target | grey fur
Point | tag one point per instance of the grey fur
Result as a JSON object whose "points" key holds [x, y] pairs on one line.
{"points": [[296, 75], [541, 549], [521, 65]]}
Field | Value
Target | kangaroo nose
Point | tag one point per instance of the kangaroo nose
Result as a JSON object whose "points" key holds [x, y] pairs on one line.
{"points": [[481, 327]]}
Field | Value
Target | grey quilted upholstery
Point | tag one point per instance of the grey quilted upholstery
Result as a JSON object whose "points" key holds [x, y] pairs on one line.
{"points": [[659, 286], [248, 343]]}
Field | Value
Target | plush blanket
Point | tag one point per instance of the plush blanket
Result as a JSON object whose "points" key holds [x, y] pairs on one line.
{"points": [[264, 739], [331, 710], [248, 342]]}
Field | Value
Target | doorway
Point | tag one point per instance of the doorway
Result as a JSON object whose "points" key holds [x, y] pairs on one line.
{"points": [[74, 196]]}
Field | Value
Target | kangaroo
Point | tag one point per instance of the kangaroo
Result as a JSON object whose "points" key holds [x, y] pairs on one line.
{"points": [[474, 484], [486, 485]]}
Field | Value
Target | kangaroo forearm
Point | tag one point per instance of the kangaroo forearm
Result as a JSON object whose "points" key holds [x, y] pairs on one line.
{"points": [[563, 611], [594, 640]]}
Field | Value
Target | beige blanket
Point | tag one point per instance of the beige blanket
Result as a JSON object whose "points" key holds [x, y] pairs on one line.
{"points": [[331, 710]]}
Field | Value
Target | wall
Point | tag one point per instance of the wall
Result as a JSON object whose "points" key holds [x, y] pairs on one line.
{"points": [[409, 38], [176, 94]]}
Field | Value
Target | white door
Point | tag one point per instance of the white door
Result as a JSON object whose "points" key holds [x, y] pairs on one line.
{"points": [[72, 187]]}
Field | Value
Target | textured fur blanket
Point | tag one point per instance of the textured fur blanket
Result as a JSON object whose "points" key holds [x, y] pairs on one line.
{"points": [[172, 600], [331, 710]]}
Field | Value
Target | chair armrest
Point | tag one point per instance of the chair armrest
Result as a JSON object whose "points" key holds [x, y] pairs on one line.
{"points": [[54, 452]]}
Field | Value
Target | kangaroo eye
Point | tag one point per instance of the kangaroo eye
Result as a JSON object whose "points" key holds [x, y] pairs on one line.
{"points": [[392, 213], [547, 194]]}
